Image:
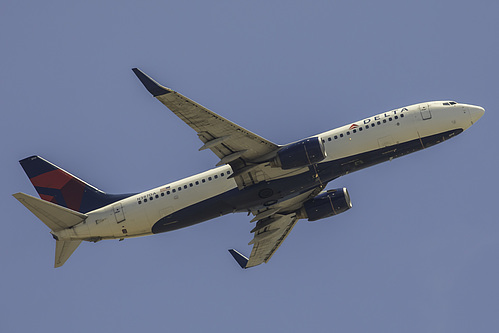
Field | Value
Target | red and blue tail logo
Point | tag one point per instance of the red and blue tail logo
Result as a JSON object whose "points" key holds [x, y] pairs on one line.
{"points": [[55, 185]]}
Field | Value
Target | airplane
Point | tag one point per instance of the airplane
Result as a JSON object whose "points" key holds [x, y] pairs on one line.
{"points": [[277, 184]]}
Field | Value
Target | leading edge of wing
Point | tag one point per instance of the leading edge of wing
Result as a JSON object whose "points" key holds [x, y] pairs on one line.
{"points": [[152, 86]]}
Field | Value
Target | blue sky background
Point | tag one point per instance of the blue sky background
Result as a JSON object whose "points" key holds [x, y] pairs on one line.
{"points": [[418, 252]]}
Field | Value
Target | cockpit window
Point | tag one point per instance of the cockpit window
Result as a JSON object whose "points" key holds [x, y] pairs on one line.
{"points": [[450, 103]]}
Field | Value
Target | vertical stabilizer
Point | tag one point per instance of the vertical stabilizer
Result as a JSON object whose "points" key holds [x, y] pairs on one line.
{"points": [[58, 186], [64, 250]]}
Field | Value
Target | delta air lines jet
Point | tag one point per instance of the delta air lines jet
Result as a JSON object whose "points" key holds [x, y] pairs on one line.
{"points": [[278, 184]]}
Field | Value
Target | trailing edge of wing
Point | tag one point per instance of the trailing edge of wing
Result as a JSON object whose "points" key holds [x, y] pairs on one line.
{"points": [[269, 234], [152, 86]]}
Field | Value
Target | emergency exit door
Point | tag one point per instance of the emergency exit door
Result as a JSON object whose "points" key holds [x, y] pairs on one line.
{"points": [[118, 213], [425, 111]]}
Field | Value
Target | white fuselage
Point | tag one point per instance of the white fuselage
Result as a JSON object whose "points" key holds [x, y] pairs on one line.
{"points": [[136, 215]]}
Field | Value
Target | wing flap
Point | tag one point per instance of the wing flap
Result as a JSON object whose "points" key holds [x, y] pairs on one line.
{"points": [[269, 235], [211, 127]]}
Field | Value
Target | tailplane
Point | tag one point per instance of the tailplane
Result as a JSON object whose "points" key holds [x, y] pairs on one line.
{"points": [[57, 218], [63, 250], [58, 186]]}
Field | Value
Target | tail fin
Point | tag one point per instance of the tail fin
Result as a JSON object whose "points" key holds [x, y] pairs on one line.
{"points": [[56, 218], [55, 185]]}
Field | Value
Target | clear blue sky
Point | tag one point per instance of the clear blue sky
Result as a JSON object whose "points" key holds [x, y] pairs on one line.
{"points": [[418, 252]]}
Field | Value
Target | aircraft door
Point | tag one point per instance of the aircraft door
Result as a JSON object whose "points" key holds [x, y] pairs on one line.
{"points": [[425, 111], [118, 213]]}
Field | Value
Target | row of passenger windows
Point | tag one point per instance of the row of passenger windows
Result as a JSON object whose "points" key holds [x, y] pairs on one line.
{"points": [[178, 189], [360, 128]]}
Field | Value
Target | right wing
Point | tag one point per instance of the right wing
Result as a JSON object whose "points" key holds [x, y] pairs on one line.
{"points": [[243, 150]]}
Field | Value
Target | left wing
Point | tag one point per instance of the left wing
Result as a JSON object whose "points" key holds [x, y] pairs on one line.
{"points": [[269, 235], [234, 145], [273, 226]]}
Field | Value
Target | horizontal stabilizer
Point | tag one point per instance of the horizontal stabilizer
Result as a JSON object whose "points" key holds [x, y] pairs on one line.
{"points": [[64, 250], [54, 216], [241, 260], [152, 86]]}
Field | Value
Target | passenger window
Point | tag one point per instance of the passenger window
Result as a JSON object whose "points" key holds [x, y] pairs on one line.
{"points": [[179, 189], [222, 174], [167, 192], [157, 196], [367, 126], [197, 182], [328, 139], [216, 176], [209, 178], [174, 190], [145, 200], [348, 132], [335, 137], [390, 119], [202, 180], [191, 185], [341, 135], [140, 202], [360, 129], [396, 117], [402, 116], [150, 198]]}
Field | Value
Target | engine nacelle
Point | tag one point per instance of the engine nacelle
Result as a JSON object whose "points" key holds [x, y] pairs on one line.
{"points": [[332, 202], [300, 154]]}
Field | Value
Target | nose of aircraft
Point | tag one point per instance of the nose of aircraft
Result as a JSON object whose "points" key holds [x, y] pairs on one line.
{"points": [[476, 113]]}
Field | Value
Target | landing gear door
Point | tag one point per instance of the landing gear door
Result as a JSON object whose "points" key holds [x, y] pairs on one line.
{"points": [[118, 213], [425, 111]]}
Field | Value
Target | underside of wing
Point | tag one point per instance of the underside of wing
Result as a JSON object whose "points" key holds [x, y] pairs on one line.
{"points": [[269, 235], [272, 227], [243, 150]]}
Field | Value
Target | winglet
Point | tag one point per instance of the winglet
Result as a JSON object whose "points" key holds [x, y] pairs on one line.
{"points": [[241, 260], [152, 86]]}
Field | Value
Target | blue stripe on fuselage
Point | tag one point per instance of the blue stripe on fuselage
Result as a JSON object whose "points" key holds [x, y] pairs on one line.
{"points": [[237, 200]]}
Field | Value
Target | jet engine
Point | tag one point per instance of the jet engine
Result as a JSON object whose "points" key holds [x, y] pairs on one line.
{"points": [[332, 202], [300, 154]]}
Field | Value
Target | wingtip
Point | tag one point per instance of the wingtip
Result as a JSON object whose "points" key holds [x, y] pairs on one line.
{"points": [[241, 260], [152, 86]]}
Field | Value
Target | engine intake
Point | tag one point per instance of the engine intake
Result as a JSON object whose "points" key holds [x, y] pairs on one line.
{"points": [[332, 202], [300, 154]]}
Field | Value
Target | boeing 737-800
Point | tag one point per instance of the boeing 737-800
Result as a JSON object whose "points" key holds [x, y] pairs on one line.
{"points": [[278, 184]]}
